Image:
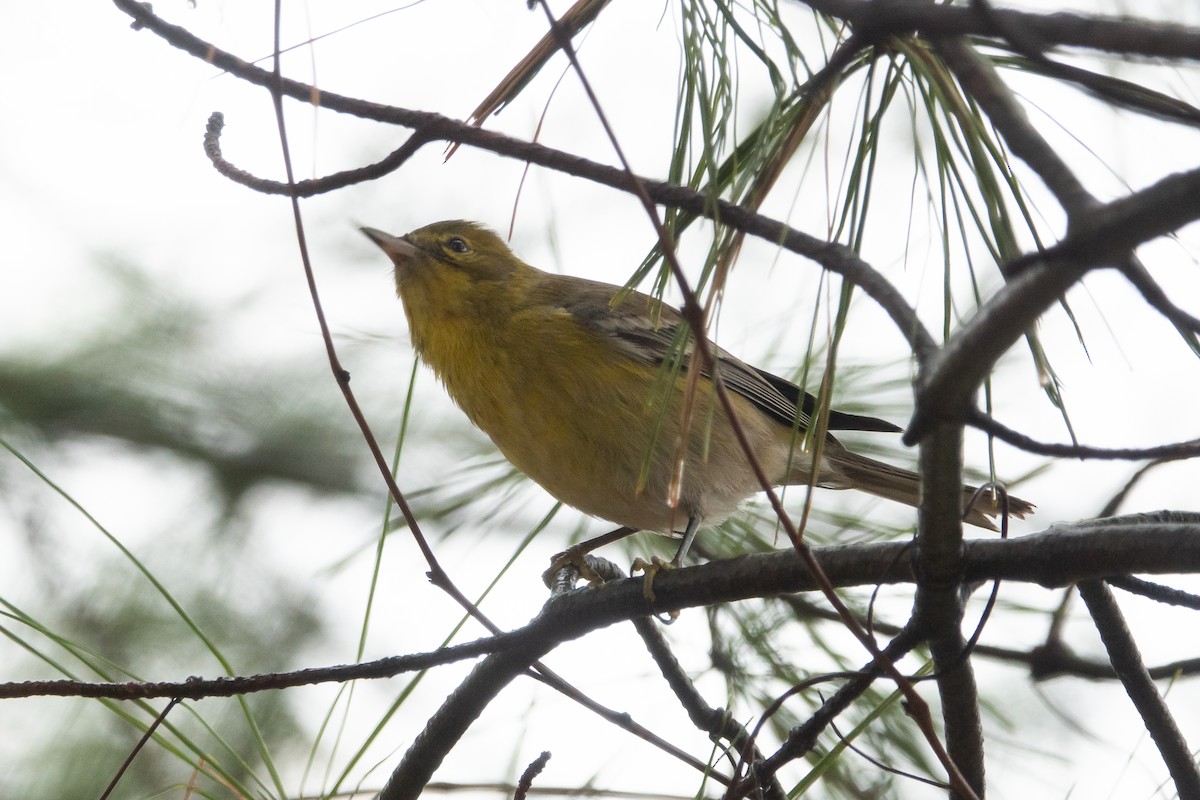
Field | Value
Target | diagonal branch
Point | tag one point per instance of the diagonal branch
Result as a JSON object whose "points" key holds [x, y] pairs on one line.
{"points": [[1103, 236], [801, 739], [981, 82], [716, 722], [1123, 652], [1187, 324]]}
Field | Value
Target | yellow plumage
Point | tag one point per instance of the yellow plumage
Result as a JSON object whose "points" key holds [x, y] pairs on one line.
{"points": [[569, 382]]}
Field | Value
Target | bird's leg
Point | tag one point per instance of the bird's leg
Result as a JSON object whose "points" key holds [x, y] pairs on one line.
{"points": [[689, 536], [656, 564], [573, 556]]}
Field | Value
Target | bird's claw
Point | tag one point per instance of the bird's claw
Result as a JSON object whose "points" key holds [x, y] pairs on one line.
{"points": [[575, 558], [650, 569]]}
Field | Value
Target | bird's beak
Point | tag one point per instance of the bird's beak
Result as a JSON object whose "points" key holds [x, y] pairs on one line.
{"points": [[397, 248]]}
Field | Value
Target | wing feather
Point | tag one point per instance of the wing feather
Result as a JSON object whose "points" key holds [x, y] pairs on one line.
{"points": [[651, 331]]}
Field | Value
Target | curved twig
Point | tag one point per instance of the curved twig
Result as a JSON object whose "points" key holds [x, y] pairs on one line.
{"points": [[1174, 451], [835, 257]]}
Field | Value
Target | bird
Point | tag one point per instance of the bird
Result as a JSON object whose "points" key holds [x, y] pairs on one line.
{"points": [[582, 385]]}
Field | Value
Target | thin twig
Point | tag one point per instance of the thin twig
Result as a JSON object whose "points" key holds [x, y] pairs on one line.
{"points": [[802, 738], [1137, 274], [137, 748], [304, 188], [435, 127], [863, 754], [532, 771], [716, 722], [1167, 595], [1163, 452]]}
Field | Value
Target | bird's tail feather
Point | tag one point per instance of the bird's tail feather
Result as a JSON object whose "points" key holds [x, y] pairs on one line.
{"points": [[847, 470]]}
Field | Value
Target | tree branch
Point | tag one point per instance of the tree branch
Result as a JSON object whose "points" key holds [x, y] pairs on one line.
{"points": [[959, 694], [1094, 32], [1176, 450], [716, 722], [1103, 236], [1123, 652], [435, 127], [803, 737], [938, 607], [1044, 662], [1165, 543], [978, 79]]}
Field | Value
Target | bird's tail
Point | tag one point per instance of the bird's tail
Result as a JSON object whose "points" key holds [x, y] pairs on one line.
{"points": [[844, 469]]}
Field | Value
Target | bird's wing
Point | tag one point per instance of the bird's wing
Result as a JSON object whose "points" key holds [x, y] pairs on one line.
{"points": [[651, 331]]}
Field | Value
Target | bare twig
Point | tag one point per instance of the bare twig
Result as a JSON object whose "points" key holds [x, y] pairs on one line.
{"points": [[1049, 660], [532, 771], [1137, 274], [303, 188], [802, 738], [137, 748], [1123, 652], [1163, 452], [1167, 595], [716, 722], [435, 127], [1103, 236]]}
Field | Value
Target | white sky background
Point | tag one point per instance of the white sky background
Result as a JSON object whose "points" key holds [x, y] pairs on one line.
{"points": [[100, 156]]}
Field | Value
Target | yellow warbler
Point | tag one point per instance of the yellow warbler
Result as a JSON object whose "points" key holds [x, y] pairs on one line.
{"points": [[567, 377]]}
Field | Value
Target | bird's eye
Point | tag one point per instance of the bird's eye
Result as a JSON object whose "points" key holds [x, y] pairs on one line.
{"points": [[457, 244]]}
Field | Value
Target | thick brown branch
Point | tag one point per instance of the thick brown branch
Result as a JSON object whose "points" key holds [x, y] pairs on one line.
{"points": [[959, 695], [1149, 544], [1110, 34]]}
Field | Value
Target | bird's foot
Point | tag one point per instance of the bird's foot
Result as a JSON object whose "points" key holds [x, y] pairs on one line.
{"points": [[650, 569], [575, 558]]}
